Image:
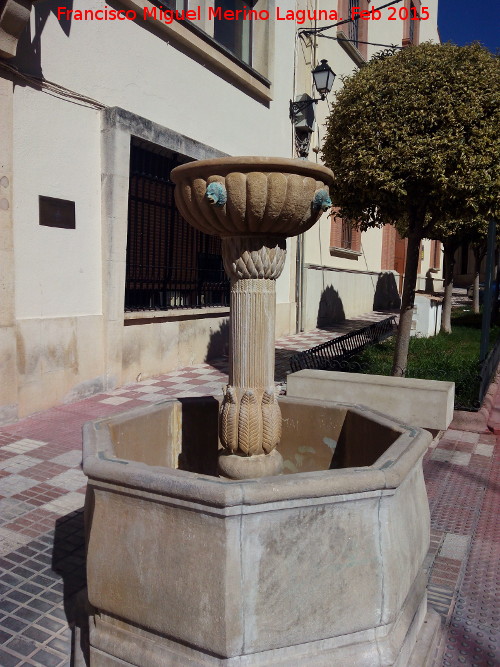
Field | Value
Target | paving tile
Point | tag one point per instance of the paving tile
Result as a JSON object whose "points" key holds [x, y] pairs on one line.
{"points": [[61, 645], [10, 508], [9, 606], [50, 624], [40, 494], [452, 434], [45, 470], [455, 458], [67, 503], [10, 540], [469, 437], [484, 449], [53, 449], [31, 587], [8, 659], [71, 480], [116, 392], [23, 445], [16, 464], [4, 637], [149, 389], [71, 459], [115, 400], [34, 523], [46, 658], [153, 398], [14, 624], [22, 645], [19, 596], [488, 438], [440, 598], [13, 484], [37, 634]]}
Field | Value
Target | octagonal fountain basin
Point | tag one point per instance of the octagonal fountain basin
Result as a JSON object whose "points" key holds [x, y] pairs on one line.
{"points": [[321, 566]]}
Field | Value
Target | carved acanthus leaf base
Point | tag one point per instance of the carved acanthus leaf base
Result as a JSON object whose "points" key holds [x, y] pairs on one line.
{"points": [[250, 421], [251, 257]]}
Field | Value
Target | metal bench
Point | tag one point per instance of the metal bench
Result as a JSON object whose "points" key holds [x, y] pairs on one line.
{"points": [[330, 356]]}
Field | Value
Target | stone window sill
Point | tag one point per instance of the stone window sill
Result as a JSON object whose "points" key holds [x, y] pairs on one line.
{"points": [[345, 252], [350, 49], [150, 316], [204, 47]]}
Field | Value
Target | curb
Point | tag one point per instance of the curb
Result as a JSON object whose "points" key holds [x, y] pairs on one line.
{"points": [[486, 419]]}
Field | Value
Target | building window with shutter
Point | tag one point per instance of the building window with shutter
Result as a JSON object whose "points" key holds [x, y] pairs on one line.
{"points": [[235, 34], [435, 259], [355, 31], [346, 242], [345, 238], [169, 264], [411, 30]]}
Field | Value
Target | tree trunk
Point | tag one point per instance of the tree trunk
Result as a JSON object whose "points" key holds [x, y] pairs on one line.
{"points": [[449, 264], [475, 290], [497, 286], [407, 302]]}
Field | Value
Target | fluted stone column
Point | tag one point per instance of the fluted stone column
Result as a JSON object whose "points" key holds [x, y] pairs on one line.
{"points": [[250, 418]]}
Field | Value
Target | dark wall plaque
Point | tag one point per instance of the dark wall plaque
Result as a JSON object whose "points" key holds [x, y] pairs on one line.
{"points": [[56, 212]]}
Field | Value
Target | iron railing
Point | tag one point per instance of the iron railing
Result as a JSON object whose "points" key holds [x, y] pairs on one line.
{"points": [[169, 263], [334, 354], [488, 369]]}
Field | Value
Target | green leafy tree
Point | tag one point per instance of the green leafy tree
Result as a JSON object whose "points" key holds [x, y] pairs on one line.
{"points": [[413, 141]]}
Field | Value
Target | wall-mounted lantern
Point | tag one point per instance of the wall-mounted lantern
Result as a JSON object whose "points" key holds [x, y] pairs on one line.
{"points": [[302, 112]]}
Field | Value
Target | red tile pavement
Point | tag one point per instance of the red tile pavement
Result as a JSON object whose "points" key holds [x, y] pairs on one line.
{"points": [[462, 476], [33, 523], [40, 494]]}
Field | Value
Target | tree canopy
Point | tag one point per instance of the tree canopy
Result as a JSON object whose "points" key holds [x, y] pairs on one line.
{"points": [[418, 132], [413, 140]]}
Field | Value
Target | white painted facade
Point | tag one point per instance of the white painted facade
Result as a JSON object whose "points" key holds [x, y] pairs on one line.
{"points": [[66, 334], [350, 278], [63, 330]]}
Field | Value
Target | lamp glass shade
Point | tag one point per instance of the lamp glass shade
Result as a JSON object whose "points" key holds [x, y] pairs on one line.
{"points": [[324, 77]]}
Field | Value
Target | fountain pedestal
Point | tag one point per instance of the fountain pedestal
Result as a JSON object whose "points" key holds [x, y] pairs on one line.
{"points": [[253, 204], [250, 418]]}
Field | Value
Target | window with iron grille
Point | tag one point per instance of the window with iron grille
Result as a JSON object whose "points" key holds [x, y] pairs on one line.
{"points": [[346, 235], [169, 263], [354, 25]]}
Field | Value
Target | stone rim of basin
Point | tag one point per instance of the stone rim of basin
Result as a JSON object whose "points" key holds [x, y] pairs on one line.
{"points": [[387, 472], [249, 162]]}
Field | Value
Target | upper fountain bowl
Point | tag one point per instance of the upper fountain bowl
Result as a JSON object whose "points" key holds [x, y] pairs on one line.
{"points": [[252, 196]]}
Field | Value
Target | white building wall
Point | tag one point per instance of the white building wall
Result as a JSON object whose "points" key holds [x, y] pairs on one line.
{"points": [[58, 271], [72, 336], [125, 64], [353, 278]]}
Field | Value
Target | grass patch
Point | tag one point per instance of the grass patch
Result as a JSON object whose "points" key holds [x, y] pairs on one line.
{"points": [[451, 357]]}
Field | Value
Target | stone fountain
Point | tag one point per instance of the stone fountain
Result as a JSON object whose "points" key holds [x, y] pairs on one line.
{"points": [[253, 204], [199, 551]]}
